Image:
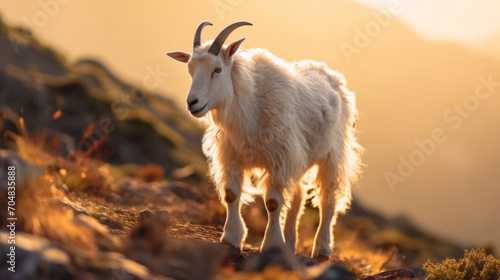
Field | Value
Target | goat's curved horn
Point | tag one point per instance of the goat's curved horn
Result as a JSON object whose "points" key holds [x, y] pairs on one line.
{"points": [[221, 38], [197, 35]]}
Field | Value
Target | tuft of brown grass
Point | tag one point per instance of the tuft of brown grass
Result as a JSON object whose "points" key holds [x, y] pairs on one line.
{"points": [[78, 170], [42, 216]]}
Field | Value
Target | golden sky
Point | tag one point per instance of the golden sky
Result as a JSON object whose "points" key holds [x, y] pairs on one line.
{"points": [[466, 21]]}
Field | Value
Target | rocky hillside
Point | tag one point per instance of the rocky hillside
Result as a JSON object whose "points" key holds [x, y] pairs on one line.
{"points": [[36, 82], [110, 185]]}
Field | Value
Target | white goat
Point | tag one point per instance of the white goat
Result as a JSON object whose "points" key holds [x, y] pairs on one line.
{"points": [[281, 119]]}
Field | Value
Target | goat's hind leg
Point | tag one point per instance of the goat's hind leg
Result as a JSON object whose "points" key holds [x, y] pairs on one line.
{"points": [[293, 217], [327, 180]]}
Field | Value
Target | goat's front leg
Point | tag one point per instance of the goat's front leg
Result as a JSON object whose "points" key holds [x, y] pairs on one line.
{"points": [[274, 204], [235, 230]]}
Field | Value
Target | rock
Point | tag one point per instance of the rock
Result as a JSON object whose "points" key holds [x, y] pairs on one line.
{"points": [[395, 274], [99, 232], [179, 258], [113, 197], [91, 223], [121, 268], [328, 271], [276, 255], [182, 191], [136, 191], [116, 266], [24, 171], [237, 258], [77, 209], [200, 259], [63, 187], [35, 258], [148, 236], [161, 217], [183, 173], [306, 261], [145, 214]]}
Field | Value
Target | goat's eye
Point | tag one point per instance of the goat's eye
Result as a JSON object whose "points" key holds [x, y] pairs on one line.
{"points": [[217, 70]]}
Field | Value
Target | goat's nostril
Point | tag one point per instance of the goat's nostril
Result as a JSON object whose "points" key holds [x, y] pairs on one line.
{"points": [[191, 103]]}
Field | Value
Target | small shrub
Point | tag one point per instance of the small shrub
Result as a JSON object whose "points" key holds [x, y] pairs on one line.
{"points": [[475, 265]]}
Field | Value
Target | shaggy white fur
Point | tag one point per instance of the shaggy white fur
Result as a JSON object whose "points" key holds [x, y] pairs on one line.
{"points": [[275, 120]]}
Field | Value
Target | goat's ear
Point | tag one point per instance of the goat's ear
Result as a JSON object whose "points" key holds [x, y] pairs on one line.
{"points": [[231, 49], [180, 56]]}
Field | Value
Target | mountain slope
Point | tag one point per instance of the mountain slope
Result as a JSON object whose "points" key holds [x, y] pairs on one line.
{"points": [[97, 108]]}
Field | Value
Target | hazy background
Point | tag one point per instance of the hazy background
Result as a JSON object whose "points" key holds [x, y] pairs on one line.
{"points": [[422, 62]]}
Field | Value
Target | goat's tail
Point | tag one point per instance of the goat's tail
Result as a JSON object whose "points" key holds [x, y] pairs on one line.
{"points": [[350, 166]]}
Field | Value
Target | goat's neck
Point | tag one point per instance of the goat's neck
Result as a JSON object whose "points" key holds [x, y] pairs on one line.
{"points": [[240, 116]]}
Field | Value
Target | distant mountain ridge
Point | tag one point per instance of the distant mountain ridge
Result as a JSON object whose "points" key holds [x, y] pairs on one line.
{"points": [[490, 47]]}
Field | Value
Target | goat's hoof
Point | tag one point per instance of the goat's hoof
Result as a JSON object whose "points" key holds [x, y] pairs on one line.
{"points": [[322, 258], [232, 244], [322, 254]]}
